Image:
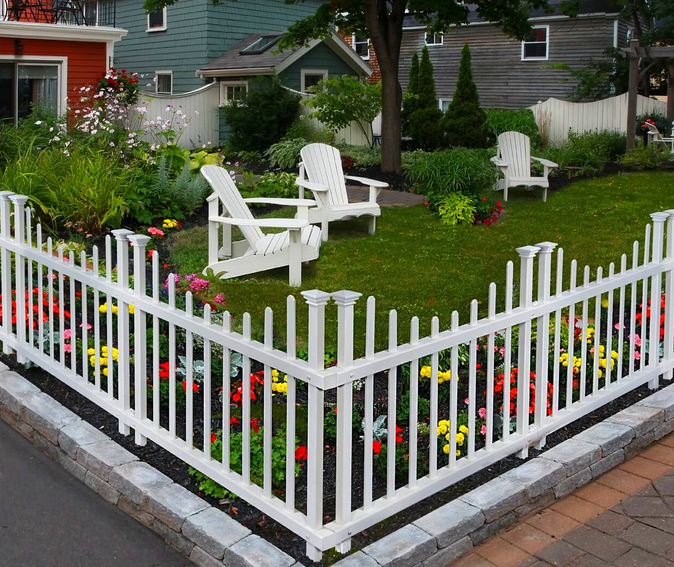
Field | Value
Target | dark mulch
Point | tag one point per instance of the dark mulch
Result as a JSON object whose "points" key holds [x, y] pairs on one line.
{"points": [[255, 520]]}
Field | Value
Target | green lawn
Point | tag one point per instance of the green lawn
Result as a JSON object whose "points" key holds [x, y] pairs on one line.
{"points": [[418, 266]]}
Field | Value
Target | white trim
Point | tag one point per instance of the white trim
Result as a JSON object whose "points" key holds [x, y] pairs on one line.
{"points": [[158, 28], [252, 71], [353, 46], [442, 39], [547, 45], [441, 100], [224, 101], [31, 30], [109, 54], [615, 33], [156, 83], [305, 72], [62, 75], [533, 19]]}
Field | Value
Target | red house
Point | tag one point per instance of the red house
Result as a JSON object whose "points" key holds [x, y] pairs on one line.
{"points": [[51, 48]]}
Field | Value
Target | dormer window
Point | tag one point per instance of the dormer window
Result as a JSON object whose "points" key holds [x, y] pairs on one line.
{"points": [[261, 45], [361, 45]]}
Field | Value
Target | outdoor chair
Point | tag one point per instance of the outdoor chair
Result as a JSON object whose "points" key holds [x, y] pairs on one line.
{"points": [[321, 172], [257, 252], [514, 159], [654, 136]]}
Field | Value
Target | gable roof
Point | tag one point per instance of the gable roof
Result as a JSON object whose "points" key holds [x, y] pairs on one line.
{"points": [[236, 61], [586, 8]]}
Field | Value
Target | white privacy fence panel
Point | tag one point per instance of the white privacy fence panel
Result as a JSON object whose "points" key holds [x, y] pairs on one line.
{"points": [[407, 421], [560, 116], [201, 105]]}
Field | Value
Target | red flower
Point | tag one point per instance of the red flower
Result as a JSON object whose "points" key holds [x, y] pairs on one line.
{"points": [[195, 386], [214, 437], [233, 421], [484, 198], [376, 447], [301, 453], [487, 222], [164, 370], [399, 438], [425, 202], [335, 409], [494, 218], [498, 204], [255, 424]]}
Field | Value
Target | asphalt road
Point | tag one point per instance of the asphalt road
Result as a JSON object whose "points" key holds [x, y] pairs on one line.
{"points": [[50, 519]]}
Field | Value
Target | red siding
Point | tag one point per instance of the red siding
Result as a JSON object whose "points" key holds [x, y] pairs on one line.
{"points": [[86, 60]]}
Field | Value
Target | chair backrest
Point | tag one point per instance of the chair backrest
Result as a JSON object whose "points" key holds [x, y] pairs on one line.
{"points": [[515, 148], [323, 164], [653, 130], [224, 187]]}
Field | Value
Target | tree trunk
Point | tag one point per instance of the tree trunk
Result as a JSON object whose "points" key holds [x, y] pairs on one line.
{"points": [[390, 123]]}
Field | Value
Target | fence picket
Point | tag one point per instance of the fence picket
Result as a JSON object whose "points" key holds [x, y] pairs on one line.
{"points": [[290, 405], [369, 406], [267, 402], [414, 408], [391, 405]]}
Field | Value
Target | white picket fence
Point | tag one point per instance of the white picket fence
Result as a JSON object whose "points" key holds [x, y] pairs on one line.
{"points": [[57, 293], [202, 105], [560, 116]]}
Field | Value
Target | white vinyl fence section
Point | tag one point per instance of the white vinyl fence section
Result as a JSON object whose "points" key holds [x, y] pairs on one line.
{"points": [[201, 105], [56, 293], [559, 116]]}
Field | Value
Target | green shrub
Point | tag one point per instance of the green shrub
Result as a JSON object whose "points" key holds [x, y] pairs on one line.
{"points": [[362, 156], [410, 98], [465, 122], [306, 129], [262, 116], [454, 170], [647, 157], [425, 128], [274, 186], [522, 120], [588, 151], [456, 208], [286, 153]]}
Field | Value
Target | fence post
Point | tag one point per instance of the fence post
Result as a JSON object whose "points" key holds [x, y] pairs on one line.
{"points": [[345, 301], [6, 270], [20, 275], [669, 296], [656, 297], [527, 255], [123, 386], [543, 335], [316, 300], [213, 228], [139, 242]]}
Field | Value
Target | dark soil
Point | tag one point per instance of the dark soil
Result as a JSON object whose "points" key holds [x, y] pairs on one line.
{"points": [[260, 524]]}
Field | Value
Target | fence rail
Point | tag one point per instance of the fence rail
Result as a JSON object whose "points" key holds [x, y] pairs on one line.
{"points": [[557, 117], [405, 422]]}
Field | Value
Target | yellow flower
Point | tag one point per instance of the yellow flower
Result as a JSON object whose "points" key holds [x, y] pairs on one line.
{"points": [[425, 372], [105, 372], [274, 373], [91, 351], [442, 429], [600, 374], [103, 308], [614, 354], [460, 439], [604, 303], [602, 362], [92, 360], [132, 309], [458, 453], [447, 437], [446, 449], [463, 429], [444, 376]]}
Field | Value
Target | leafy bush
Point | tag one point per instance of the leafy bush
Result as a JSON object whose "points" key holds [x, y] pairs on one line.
{"points": [[456, 208], [410, 98], [465, 122], [454, 170], [425, 128], [647, 157], [286, 153], [306, 129], [588, 151], [362, 156], [522, 120], [262, 116], [274, 186]]}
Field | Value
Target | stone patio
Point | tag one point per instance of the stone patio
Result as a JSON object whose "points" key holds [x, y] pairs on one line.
{"points": [[624, 518]]}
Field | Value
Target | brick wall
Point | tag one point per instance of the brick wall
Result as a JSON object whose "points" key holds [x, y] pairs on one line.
{"points": [[371, 62]]}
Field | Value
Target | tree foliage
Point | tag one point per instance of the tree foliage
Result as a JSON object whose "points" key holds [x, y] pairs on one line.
{"points": [[410, 97], [465, 122], [340, 100], [424, 121]]}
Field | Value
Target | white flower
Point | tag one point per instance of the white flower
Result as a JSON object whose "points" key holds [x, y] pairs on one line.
{"points": [[38, 122]]}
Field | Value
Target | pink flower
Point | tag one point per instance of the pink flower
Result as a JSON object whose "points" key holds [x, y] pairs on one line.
{"points": [[482, 412], [483, 430], [66, 334], [637, 355], [88, 326], [67, 347], [502, 351], [197, 284], [220, 298], [617, 326], [155, 231], [637, 340], [176, 278], [466, 401]]}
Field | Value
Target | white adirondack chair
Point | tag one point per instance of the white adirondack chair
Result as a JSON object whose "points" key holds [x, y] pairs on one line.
{"points": [[514, 159], [654, 136], [257, 252], [321, 172]]}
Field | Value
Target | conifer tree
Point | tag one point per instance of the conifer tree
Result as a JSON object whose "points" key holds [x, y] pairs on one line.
{"points": [[410, 97], [464, 122], [424, 124], [426, 86]]}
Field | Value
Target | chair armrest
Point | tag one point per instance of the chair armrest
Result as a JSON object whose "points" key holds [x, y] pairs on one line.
{"points": [[288, 202], [499, 162], [212, 197], [291, 224], [311, 186], [545, 162], [366, 181]]}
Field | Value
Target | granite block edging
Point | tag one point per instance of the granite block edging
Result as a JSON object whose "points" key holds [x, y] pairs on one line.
{"points": [[203, 533], [209, 537], [458, 526]]}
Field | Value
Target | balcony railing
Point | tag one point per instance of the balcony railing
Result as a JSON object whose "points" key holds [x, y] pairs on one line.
{"points": [[61, 12]]}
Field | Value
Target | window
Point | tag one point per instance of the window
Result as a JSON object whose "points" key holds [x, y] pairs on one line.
{"points": [[434, 38], [26, 86], [536, 46], [261, 45], [311, 77], [361, 45], [156, 21], [164, 82], [444, 103], [230, 91]]}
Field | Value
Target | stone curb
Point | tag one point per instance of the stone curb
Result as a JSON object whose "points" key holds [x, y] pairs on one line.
{"points": [[452, 530], [209, 537], [206, 535]]}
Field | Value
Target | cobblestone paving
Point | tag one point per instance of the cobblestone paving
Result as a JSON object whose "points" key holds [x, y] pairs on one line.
{"points": [[625, 518], [387, 197]]}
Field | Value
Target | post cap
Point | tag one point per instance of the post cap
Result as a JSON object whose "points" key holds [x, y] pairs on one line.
{"points": [[316, 297], [139, 239], [4, 195], [121, 233], [527, 251], [546, 247], [659, 217], [19, 199], [345, 297]]}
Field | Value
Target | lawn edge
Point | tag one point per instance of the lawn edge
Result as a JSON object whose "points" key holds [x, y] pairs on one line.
{"points": [[204, 534]]}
